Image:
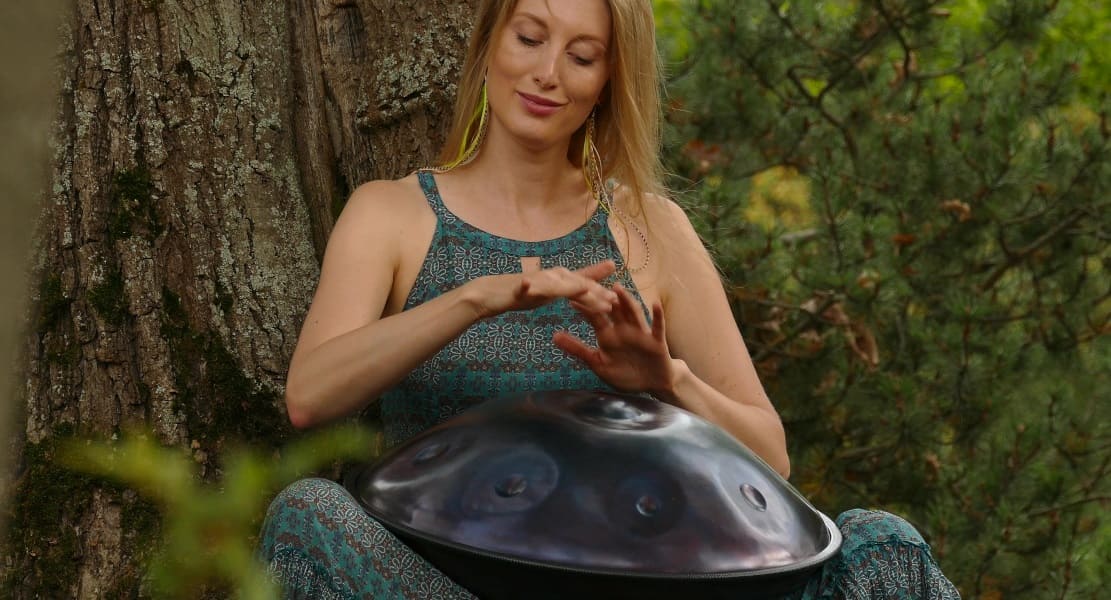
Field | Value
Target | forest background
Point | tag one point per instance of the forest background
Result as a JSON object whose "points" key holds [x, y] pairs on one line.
{"points": [[908, 201]]}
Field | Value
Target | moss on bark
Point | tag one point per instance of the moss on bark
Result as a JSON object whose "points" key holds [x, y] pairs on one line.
{"points": [[49, 503], [133, 207], [218, 399], [107, 297], [52, 303]]}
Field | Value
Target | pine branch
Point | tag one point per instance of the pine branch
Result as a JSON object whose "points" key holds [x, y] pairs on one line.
{"points": [[1067, 506], [1016, 258], [813, 318], [908, 52]]}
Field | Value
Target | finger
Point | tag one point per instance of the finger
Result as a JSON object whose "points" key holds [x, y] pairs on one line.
{"points": [[573, 346], [595, 296], [628, 309], [598, 319], [598, 271], [658, 328], [561, 280], [621, 308], [600, 300], [553, 283]]}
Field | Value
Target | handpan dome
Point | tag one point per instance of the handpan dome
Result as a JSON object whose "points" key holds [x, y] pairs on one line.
{"points": [[593, 494]]}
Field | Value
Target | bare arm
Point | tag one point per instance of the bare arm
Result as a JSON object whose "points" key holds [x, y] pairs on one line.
{"points": [[348, 354], [713, 373], [692, 354]]}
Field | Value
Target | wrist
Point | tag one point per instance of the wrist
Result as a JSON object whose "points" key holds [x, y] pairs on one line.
{"points": [[473, 298], [671, 383]]}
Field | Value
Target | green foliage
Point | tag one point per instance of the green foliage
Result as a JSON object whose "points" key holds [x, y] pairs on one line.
{"points": [[46, 521], [929, 308], [208, 530], [673, 39]]}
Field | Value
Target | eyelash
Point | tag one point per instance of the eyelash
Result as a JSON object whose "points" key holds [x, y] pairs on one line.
{"points": [[531, 43]]}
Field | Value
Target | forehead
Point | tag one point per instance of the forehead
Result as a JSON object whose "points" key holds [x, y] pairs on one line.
{"points": [[578, 17]]}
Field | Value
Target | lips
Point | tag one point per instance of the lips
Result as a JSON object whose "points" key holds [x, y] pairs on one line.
{"points": [[538, 105]]}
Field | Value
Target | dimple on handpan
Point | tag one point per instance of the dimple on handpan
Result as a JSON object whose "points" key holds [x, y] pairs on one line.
{"points": [[595, 494]]}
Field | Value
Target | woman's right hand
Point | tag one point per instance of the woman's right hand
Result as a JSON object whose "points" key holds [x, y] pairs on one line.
{"points": [[495, 294]]}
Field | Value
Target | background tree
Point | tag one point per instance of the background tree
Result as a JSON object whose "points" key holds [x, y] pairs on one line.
{"points": [[201, 151], [910, 200], [26, 85]]}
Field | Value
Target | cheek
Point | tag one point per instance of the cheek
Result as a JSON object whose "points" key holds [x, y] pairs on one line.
{"points": [[510, 59], [589, 87], [501, 63]]}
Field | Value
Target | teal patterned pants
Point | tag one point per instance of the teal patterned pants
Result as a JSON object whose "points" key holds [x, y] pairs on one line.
{"points": [[319, 543]]}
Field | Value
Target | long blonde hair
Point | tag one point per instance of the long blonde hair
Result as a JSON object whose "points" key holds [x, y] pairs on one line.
{"points": [[628, 118]]}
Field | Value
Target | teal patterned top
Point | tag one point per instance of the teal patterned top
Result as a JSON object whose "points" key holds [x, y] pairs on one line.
{"points": [[507, 354]]}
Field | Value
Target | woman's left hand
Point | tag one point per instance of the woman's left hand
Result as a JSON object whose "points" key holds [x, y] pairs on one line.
{"points": [[632, 355]]}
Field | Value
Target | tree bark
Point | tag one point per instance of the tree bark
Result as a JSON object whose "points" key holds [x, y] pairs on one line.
{"points": [[201, 152]]}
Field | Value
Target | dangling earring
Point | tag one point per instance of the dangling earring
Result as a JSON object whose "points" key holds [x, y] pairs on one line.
{"points": [[592, 164], [479, 122], [592, 171]]}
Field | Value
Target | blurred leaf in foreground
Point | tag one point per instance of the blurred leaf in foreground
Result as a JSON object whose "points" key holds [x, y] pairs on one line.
{"points": [[208, 529]]}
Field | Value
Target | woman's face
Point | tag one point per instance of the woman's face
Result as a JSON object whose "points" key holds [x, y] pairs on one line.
{"points": [[548, 68]]}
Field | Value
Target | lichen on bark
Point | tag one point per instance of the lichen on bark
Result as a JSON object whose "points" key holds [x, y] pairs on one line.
{"points": [[201, 154]]}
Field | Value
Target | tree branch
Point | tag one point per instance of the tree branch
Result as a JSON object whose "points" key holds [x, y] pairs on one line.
{"points": [[1016, 258]]}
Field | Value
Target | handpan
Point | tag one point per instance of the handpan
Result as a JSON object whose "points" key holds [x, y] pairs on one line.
{"points": [[595, 494]]}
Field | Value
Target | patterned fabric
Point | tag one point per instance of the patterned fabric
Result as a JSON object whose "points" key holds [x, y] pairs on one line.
{"points": [[319, 543], [506, 354]]}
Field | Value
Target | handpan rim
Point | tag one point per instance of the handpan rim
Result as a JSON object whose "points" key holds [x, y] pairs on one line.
{"points": [[834, 546], [551, 417]]}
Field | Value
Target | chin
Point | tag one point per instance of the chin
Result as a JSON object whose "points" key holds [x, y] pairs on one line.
{"points": [[531, 138]]}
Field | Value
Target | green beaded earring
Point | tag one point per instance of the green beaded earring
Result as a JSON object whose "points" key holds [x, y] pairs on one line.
{"points": [[592, 164], [478, 124]]}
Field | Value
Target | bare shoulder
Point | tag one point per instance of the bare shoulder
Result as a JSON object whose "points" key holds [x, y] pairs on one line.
{"points": [[672, 217], [366, 249], [663, 216], [666, 224], [386, 201], [380, 212], [659, 243]]}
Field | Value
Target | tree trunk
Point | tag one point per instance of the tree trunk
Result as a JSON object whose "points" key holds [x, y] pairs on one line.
{"points": [[201, 151], [26, 87]]}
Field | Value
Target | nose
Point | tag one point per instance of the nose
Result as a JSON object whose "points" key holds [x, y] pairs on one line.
{"points": [[544, 73]]}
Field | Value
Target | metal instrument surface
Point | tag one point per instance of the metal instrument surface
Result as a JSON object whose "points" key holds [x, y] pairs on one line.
{"points": [[596, 483]]}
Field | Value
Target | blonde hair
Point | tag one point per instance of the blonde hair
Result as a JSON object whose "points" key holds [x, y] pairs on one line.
{"points": [[627, 124]]}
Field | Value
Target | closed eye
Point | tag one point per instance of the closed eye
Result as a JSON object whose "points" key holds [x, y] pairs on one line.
{"points": [[585, 62], [527, 41]]}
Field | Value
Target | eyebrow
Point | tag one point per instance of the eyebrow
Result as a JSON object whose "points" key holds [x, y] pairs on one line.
{"points": [[579, 38]]}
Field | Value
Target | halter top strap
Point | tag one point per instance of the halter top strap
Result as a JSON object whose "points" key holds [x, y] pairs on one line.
{"points": [[594, 231], [508, 353]]}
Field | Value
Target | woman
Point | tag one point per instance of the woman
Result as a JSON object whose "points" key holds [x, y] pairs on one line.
{"points": [[515, 267]]}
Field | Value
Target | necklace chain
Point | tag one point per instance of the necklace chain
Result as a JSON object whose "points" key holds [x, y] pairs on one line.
{"points": [[609, 207]]}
